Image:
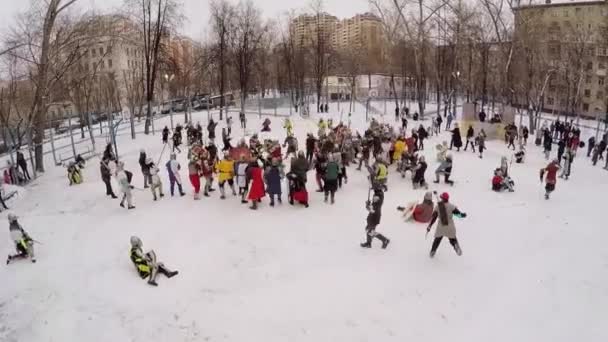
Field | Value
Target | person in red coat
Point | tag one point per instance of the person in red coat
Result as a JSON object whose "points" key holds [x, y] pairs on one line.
{"points": [[256, 190], [551, 179]]}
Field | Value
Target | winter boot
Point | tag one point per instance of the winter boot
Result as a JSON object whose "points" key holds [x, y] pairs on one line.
{"points": [[8, 260], [254, 205], [432, 254], [332, 199], [155, 198], [114, 196], [272, 201], [457, 249], [223, 195], [131, 207], [122, 204], [326, 198], [152, 282], [385, 241], [172, 274], [368, 243]]}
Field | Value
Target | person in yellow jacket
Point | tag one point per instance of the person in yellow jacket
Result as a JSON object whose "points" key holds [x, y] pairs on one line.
{"points": [[400, 147], [288, 127], [322, 127], [380, 173], [225, 169]]}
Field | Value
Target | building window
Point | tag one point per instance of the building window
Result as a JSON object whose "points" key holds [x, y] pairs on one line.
{"points": [[588, 79], [565, 12], [601, 65], [128, 63], [93, 53], [110, 63], [585, 107], [578, 11], [599, 95], [554, 13], [587, 92], [109, 49], [589, 65], [102, 64], [600, 81], [101, 51], [549, 100]]}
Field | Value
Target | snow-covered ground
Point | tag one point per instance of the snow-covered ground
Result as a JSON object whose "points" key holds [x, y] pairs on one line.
{"points": [[532, 270]]}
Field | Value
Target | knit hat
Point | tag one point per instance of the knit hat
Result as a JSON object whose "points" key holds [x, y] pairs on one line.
{"points": [[428, 196], [445, 196]]}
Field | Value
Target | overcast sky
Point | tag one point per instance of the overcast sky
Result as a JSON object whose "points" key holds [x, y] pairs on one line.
{"points": [[197, 10]]}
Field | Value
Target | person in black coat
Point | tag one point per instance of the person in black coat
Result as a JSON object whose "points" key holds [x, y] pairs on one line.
{"points": [[547, 144], [456, 138], [422, 134], [419, 171], [145, 169], [590, 146], [310, 147], [108, 154], [404, 122], [211, 129], [374, 207], [106, 177], [22, 163], [165, 135], [397, 113], [470, 138]]}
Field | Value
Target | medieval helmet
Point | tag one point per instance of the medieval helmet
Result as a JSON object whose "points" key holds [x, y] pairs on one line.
{"points": [[135, 241]]}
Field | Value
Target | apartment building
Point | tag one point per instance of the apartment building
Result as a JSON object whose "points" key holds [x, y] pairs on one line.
{"points": [[575, 44], [362, 32]]}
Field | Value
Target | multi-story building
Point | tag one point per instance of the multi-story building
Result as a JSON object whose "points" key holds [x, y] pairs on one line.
{"points": [[363, 33], [572, 50]]}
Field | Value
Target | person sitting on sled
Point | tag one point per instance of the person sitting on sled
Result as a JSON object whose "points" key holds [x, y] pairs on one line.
{"points": [[146, 264], [74, 174], [421, 212], [501, 183], [24, 244]]}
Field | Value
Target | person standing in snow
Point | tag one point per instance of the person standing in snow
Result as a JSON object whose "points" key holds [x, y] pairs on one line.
{"points": [[173, 168], [195, 177], [456, 138], [448, 121], [590, 146], [106, 177], [22, 163], [374, 208], [330, 181], [561, 148], [225, 168], [145, 168], [445, 211], [207, 166], [242, 181], [547, 144], [256, 191], [470, 138], [229, 124], [568, 159], [24, 244], [273, 175], [146, 264], [551, 179], [177, 139], [243, 120], [481, 142], [155, 182], [300, 167], [165, 135], [211, 129], [123, 177]]}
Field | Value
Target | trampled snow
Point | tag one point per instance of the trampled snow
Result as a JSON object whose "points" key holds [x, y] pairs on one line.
{"points": [[531, 269]]}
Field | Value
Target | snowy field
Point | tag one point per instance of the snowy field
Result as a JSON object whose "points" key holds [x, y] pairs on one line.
{"points": [[531, 270]]}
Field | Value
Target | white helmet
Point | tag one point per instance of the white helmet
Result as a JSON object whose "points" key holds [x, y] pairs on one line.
{"points": [[135, 241], [12, 217]]}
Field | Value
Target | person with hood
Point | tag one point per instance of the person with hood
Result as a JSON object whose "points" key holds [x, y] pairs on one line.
{"points": [[24, 244], [470, 138], [155, 182], [300, 166], [379, 174], [311, 142], [291, 143], [374, 208], [146, 264], [123, 177], [288, 127], [177, 139], [445, 169], [500, 182], [108, 153], [273, 176], [211, 129], [448, 121], [418, 180], [551, 179], [330, 180], [225, 168], [590, 146], [445, 212], [194, 173], [266, 125], [165, 135], [481, 142], [422, 134], [256, 190], [456, 138], [242, 180], [442, 151], [525, 134], [173, 168], [399, 148], [22, 163], [421, 212], [106, 177], [568, 159], [547, 144], [145, 168]]}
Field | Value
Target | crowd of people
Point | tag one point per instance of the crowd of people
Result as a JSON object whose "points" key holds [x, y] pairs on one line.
{"points": [[253, 169]]}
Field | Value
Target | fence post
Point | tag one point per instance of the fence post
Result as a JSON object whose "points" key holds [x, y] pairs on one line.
{"points": [[91, 130], [274, 100], [53, 146], [72, 136]]}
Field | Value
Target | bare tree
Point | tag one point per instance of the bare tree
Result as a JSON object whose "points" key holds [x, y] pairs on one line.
{"points": [[222, 16], [321, 49]]}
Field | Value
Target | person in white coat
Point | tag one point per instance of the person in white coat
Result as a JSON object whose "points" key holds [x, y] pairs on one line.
{"points": [[123, 178], [155, 183], [173, 168], [240, 169]]}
